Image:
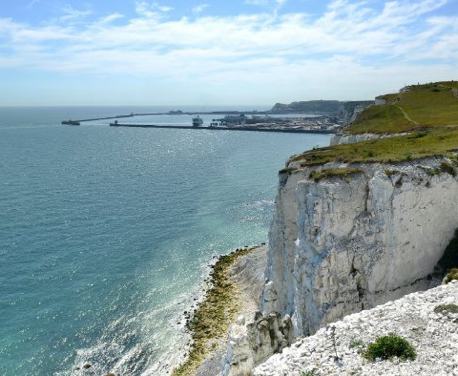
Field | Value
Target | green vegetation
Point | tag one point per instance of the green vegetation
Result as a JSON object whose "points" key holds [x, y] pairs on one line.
{"points": [[390, 173], [442, 142], [444, 167], [212, 318], [314, 106], [288, 170], [428, 113], [446, 308], [356, 344], [452, 275], [426, 106], [333, 172], [381, 119], [388, 347], [312, 372], [447, 168]]}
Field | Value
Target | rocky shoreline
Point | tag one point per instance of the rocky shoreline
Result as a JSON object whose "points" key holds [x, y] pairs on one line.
{"points": [[234, 287]]}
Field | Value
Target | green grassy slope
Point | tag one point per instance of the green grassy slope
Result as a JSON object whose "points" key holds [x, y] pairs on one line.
{"points": [[442, 142], [429, 113], [420, 106]]}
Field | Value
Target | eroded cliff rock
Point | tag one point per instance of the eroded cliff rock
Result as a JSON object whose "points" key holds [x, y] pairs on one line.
{"points": [[347, 243], [251, 343], [428, 320], [345, 138]]}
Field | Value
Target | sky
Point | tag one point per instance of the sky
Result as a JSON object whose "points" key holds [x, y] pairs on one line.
{"points": [[225, 52]]}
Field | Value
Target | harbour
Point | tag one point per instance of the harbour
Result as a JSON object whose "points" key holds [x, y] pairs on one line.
{"points": [[224, 128], [248, 121]]}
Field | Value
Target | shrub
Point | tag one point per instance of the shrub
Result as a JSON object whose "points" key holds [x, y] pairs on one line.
{"points": [[452, 275], [446, 167], [326, 173], [391, 173], [446, 308], [312, 372], [390, 346], [287, 170]]}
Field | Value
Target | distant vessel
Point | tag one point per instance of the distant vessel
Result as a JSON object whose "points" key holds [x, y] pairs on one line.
{"points": [[70, 122], [197, 121]]}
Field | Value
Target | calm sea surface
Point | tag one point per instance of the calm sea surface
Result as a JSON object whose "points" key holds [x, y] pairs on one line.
{"points": [[105, 233]]}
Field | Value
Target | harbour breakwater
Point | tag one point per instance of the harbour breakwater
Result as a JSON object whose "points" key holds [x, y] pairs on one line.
{"points": [[220, 128]]}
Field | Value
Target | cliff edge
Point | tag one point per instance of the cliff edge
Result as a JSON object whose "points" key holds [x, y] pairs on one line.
{"points": [[360, 223], [428, 321]]}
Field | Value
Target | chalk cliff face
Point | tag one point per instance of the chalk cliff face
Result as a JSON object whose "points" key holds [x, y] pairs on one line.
{"points": [[343, 244], [339, 139]]}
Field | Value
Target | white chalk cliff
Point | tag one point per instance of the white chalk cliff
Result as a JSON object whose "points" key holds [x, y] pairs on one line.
{"points": [[344, 244], [349, 243], [348, 237]]}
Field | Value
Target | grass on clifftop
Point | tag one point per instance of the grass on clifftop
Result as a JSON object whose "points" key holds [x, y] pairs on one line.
{"points": [[333, 172], [212, 318], [440, 142], [429, 113], [380, 119], [419, 106]]}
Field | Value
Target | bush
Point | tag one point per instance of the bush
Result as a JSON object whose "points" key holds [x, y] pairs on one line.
{"points": [[390, 346], [446, 308], [446, 167], [312, 372], [452, 275]]}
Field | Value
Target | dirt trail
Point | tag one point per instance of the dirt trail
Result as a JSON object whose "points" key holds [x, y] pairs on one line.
{"points": [[406, 115]]}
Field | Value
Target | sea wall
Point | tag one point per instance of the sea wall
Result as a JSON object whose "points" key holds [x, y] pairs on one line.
{"points": [[347, 243]]}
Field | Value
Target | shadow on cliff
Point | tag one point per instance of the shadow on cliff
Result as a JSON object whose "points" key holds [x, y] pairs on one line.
{"points": [[449, 259]]}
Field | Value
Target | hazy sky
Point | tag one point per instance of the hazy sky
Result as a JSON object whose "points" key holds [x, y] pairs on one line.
{"points": [[60, 52]]}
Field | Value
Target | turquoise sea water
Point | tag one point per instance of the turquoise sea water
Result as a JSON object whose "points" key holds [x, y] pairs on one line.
{"points": [[105, 234]]}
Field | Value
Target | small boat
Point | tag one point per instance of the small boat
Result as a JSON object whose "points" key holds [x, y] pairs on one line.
{"points": [[197, 121], [71, 122]]}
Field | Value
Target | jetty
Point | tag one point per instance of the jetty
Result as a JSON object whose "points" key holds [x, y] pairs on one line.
{"points": [[260, 121], [178, 112], [221, 128]]}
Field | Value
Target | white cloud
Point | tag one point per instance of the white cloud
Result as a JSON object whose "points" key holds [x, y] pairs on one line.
{"points": [[199, 8], [70, 13], [151, 9], [110, 18], [349, 42], [257, 2]]}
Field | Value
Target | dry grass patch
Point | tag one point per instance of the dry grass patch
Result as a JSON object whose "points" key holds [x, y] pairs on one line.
{"points": [[333, 172]]}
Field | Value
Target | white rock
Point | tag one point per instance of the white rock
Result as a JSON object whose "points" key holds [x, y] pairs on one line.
{"points": [[436, 355], [346, 244]]}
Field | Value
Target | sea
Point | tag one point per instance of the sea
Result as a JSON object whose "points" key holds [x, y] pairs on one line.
{"points": [[106, 233]]}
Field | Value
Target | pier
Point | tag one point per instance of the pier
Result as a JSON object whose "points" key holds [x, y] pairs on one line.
{"points": [[78, 122], [220, 128], [232, 121]]}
